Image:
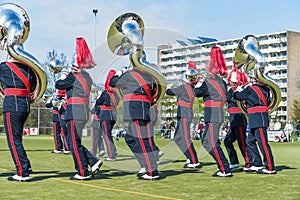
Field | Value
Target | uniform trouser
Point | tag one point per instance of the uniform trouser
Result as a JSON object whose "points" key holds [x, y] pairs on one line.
{"points": [[260, 136], [139, 140], [211, 143], [81, 155], [154, 146], [64, 134], [14, 123], [97, 140], [107, 126], [183, 139], [57, 136], [237, 133]]}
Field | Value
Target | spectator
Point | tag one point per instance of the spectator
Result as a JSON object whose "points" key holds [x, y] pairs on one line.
{"points": [[163, 130], [298, 130], [288, 129], [277, 125], [283, 137], [271, 125], [201, 128]]}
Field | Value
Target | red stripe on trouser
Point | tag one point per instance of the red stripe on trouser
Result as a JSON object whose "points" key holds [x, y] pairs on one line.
{"points": [[264, 144], [211, 131], [244, 151], [12, 144], [138, 131], [107, 139], [75, 150], [65, 138], [187, 141], [54, 135], [149, 137]]}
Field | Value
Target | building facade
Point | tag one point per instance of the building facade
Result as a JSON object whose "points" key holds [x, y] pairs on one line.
{"points": [[281, 50]]}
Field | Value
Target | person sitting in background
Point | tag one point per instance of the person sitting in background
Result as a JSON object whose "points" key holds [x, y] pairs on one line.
{"points": [[283, 137]]}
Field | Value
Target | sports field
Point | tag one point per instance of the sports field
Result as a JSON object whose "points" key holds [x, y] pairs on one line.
{"points": [[117, 180]]}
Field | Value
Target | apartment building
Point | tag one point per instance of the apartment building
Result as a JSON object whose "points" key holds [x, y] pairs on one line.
{"points": [[281, 50]]}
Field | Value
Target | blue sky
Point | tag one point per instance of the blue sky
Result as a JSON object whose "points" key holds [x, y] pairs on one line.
{"points": [[56, 23]]}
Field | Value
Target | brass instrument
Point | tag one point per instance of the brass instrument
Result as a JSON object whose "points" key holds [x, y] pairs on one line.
{"points": [[125, 37], [249, 59], [14, 30]]}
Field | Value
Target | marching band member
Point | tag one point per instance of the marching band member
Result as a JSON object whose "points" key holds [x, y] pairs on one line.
{"points": [[56, 121], [138, 88], [213, 90], [108, 102], [62, 122], [257, 97], [77, 85], [97, 139], [185, 100], [238, 122], [18, 81]]}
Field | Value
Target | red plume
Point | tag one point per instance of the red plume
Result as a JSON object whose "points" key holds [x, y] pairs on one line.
{"points": [[84, 57], [110, 74]]}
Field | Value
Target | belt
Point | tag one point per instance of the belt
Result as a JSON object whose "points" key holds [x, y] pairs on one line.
{"points": [[16, 92], [107, 108], [234, 110], [133, 97], [96, 117], [55, 111], [77, 100], [211, 103], [185, 104], [257, 109]]}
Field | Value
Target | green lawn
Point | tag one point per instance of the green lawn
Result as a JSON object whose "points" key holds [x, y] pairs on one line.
{"points": [[117, 180]]}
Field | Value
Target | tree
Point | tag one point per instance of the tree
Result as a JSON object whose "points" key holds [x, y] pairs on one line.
{"points": [[295, 111]]}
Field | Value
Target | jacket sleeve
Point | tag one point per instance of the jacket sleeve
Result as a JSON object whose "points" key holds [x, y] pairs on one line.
{"points": [[65, 83], [100, 100]]}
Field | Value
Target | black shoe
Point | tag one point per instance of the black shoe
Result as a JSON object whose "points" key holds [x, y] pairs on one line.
{"points": [[146, 176], [56, 151], [192, 166], [265, 171], [18, 178], [141, 172], [96, 167], [220, 174], [80, 178]]}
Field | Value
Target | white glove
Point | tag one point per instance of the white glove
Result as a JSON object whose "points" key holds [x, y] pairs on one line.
{"points": [[63, 76], [121, 71], [239, 88], [199, 84]]}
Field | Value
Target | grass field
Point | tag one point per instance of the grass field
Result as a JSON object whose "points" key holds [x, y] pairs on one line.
{"points": [[118, 180]]}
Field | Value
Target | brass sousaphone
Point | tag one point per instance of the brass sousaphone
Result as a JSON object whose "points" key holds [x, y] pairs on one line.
{"points": [[14, 30], [125, 37], [249, 59]]}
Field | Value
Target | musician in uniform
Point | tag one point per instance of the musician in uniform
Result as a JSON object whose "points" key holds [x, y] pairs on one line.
{"points": [[108, 102], [97, 139], [238, 122], [77, 85], [18, 81], [62, 122], [138, 89], [213, 90], [51, 103], [257, 98], [185, 100]]}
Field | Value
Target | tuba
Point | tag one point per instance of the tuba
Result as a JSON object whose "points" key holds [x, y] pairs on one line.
{"points": [[14, 30], [125, 37], [249, 59]]}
